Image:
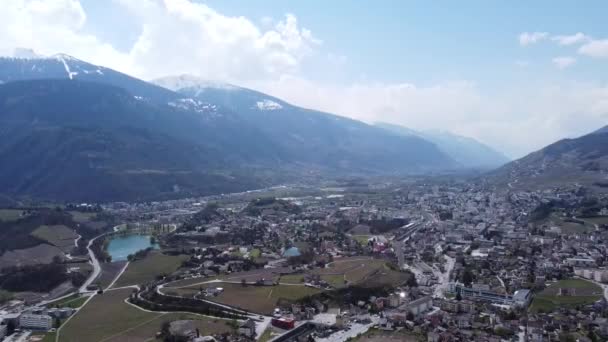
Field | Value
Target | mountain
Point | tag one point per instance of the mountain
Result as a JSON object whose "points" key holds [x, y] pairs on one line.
{"points": [[76, 131], [602, 130], [582, 160], [83, 141], [62, 66], [468, 152], [315, 137]]}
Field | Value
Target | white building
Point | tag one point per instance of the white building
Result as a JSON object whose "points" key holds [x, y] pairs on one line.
{"points": [[35, 322]]}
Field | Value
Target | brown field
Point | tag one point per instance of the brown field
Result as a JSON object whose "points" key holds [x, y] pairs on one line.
{"points": [[147, 269], [41, 254], [60, 236]]}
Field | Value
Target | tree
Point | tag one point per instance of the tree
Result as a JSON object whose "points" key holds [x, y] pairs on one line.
{"points": [[458, 296], [467, 277]]}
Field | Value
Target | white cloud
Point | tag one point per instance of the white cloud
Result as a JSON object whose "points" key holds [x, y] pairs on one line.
{"points": [[528, 38], [177, 36], [52, 26], [576, 38], [595, 48], [563, 62]]}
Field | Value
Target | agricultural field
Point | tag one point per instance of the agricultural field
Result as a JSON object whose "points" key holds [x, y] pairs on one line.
{"points": [[109, 271], [105, 316], [108, 318], [82, 217], [249, 276], [599, 220], [41, 254], [262, 299], [581, 292], [147, 269], [375, 335], [569, 227], [59, 236]]}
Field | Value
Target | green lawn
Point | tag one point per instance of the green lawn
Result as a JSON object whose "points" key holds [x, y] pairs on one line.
{"points": [[147, 269]]}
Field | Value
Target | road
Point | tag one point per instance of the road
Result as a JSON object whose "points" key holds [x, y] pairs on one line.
{"points": [[95, 263], [444, 278]]}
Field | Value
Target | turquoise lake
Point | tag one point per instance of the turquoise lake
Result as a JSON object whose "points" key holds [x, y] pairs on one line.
{"points": [[121, 246]]}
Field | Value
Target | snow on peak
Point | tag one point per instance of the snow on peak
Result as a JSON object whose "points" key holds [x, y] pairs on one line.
{"points": [[193, 105], [268, 105], [176, 83]]}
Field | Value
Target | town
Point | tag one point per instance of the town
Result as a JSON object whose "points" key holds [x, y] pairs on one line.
{"points": [[427, 260]]}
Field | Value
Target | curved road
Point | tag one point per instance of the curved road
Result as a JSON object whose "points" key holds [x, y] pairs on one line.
{"points": [[95, 263]]}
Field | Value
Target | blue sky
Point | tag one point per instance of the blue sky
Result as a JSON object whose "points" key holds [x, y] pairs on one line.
{"points": [[500, 72], [417, 41]]}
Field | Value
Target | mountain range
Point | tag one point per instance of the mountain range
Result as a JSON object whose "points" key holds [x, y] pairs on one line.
{"points": [[467, 152], [582, 161], [76, 131]]}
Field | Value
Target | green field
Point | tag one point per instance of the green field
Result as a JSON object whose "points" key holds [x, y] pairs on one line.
{"points": [[147, 269], [108, 318], [262, 299], [10, 214], [585, 292]]}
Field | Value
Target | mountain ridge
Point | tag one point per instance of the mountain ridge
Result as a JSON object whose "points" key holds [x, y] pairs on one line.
{"points": [[570, 161], [117, 128], [467, 151]]}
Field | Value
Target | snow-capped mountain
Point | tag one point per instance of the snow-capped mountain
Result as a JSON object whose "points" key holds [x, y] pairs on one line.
{"points": [[62, 66], [124, 138]]}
